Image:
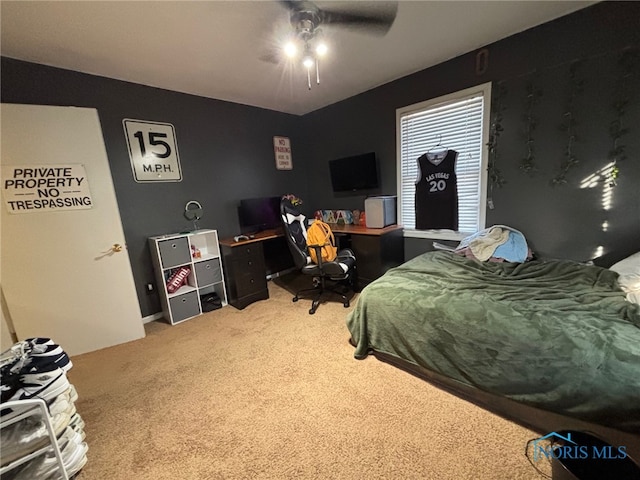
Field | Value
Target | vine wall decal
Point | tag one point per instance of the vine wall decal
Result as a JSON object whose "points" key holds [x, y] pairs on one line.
{"points": [[495, 175], [527, 164], [569, 125], [627, 66]]}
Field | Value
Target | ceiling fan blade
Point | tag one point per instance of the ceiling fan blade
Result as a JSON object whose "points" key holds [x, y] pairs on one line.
{"points": [[378, 20], [298, 5], [375, 17], [269, 58]]}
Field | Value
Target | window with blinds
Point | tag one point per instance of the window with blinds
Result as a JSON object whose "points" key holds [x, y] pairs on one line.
{"points": [[459, 121]]}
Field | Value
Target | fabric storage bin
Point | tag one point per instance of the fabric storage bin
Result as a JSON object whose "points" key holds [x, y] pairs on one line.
{"points": [[184, 306], [208, 272], [174, 252]]}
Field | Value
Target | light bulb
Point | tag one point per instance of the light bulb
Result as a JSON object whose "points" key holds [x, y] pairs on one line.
{"points": [[290, 49], [308, 62], [321, 49]]}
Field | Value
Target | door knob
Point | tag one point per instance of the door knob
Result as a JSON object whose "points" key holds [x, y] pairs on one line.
{"points": [[116, 248]]}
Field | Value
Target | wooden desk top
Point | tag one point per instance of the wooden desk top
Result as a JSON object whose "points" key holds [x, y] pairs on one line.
{"points": [[258, 237], [363, 230], [335, 228]]}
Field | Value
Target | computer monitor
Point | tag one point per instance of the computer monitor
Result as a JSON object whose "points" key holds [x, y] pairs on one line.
{"points": [[258, 214]]}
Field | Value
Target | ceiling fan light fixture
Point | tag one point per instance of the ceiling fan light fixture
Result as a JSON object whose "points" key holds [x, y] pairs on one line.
{"points": [[307, 19]]}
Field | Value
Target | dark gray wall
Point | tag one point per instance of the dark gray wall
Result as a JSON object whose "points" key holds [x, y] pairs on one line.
{"points": [[560, 221], [226, 149], [226, 153]]}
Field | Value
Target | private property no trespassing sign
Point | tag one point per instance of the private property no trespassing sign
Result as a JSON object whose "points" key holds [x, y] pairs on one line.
{"points": [[37, 188]]}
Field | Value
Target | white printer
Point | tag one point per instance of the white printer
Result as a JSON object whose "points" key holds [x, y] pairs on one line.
{"points": [[380, 211]]}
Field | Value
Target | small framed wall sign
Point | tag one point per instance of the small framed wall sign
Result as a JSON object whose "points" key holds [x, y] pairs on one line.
{"points": [[153, 151], [282, 150]]}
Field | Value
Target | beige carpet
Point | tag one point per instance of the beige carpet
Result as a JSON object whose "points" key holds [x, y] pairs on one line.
{"points": [[271, 392]]}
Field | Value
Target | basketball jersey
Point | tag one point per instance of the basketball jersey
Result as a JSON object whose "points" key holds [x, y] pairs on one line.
{"points": [[436, 201]]}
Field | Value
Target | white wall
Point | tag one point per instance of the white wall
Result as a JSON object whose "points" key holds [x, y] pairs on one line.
{"points": [[6, 338]]}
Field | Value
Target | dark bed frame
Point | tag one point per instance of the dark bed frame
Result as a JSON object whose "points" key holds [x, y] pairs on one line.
{"points": [[538, 420]]}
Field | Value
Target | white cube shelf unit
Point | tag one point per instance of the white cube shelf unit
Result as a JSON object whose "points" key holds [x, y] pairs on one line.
{"points": [[198, 251]]}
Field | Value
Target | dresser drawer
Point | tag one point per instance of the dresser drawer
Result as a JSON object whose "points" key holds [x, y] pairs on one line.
{"points": [[253, 263], [248, 250], [250, 282]]}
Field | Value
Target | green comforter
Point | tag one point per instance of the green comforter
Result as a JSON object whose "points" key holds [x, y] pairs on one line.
{"points": [[553, 334]]}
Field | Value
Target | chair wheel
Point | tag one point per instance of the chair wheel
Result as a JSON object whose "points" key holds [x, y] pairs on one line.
{"points": [[311, 311], [346, 304], [295, 299]]}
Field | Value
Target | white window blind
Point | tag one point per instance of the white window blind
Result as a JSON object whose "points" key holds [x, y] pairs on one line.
{"points": [[456, 122]]}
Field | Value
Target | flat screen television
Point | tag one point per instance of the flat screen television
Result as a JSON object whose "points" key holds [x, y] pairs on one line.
{"points": [[351, 174], [258, 214]]}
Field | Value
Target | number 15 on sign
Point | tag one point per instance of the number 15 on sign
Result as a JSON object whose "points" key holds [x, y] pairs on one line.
{"points": [[153, 151]]}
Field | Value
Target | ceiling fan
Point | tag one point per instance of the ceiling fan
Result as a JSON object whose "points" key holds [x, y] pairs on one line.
{"points": [[306, 19]]}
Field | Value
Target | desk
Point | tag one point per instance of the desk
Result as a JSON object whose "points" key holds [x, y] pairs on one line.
{"points": [[247, 263], [376, 249]]}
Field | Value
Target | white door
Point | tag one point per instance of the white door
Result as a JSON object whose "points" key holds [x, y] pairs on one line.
{"points": [[61, 276]]}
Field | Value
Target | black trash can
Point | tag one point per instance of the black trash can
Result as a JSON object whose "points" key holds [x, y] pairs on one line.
{"points": [[586, 457]]}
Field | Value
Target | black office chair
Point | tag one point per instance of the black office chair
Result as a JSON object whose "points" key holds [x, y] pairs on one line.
{"points": [[337, 277]]}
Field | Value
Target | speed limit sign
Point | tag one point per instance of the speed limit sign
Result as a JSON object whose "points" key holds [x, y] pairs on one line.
{"points": [[153, 151]]}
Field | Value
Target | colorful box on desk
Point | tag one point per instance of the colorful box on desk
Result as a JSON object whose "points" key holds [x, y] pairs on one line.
{"points": [[380, 211]]}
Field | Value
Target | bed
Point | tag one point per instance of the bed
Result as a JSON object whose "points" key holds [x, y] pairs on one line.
{"points": [[553, 345]]}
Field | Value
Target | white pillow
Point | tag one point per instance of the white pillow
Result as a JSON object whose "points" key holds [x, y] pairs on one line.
{"points": [[629, 276]]}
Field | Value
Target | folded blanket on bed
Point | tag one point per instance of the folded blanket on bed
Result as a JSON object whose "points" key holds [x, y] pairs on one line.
{"points": [[515, 249], [484, 245], [496, 242]]}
